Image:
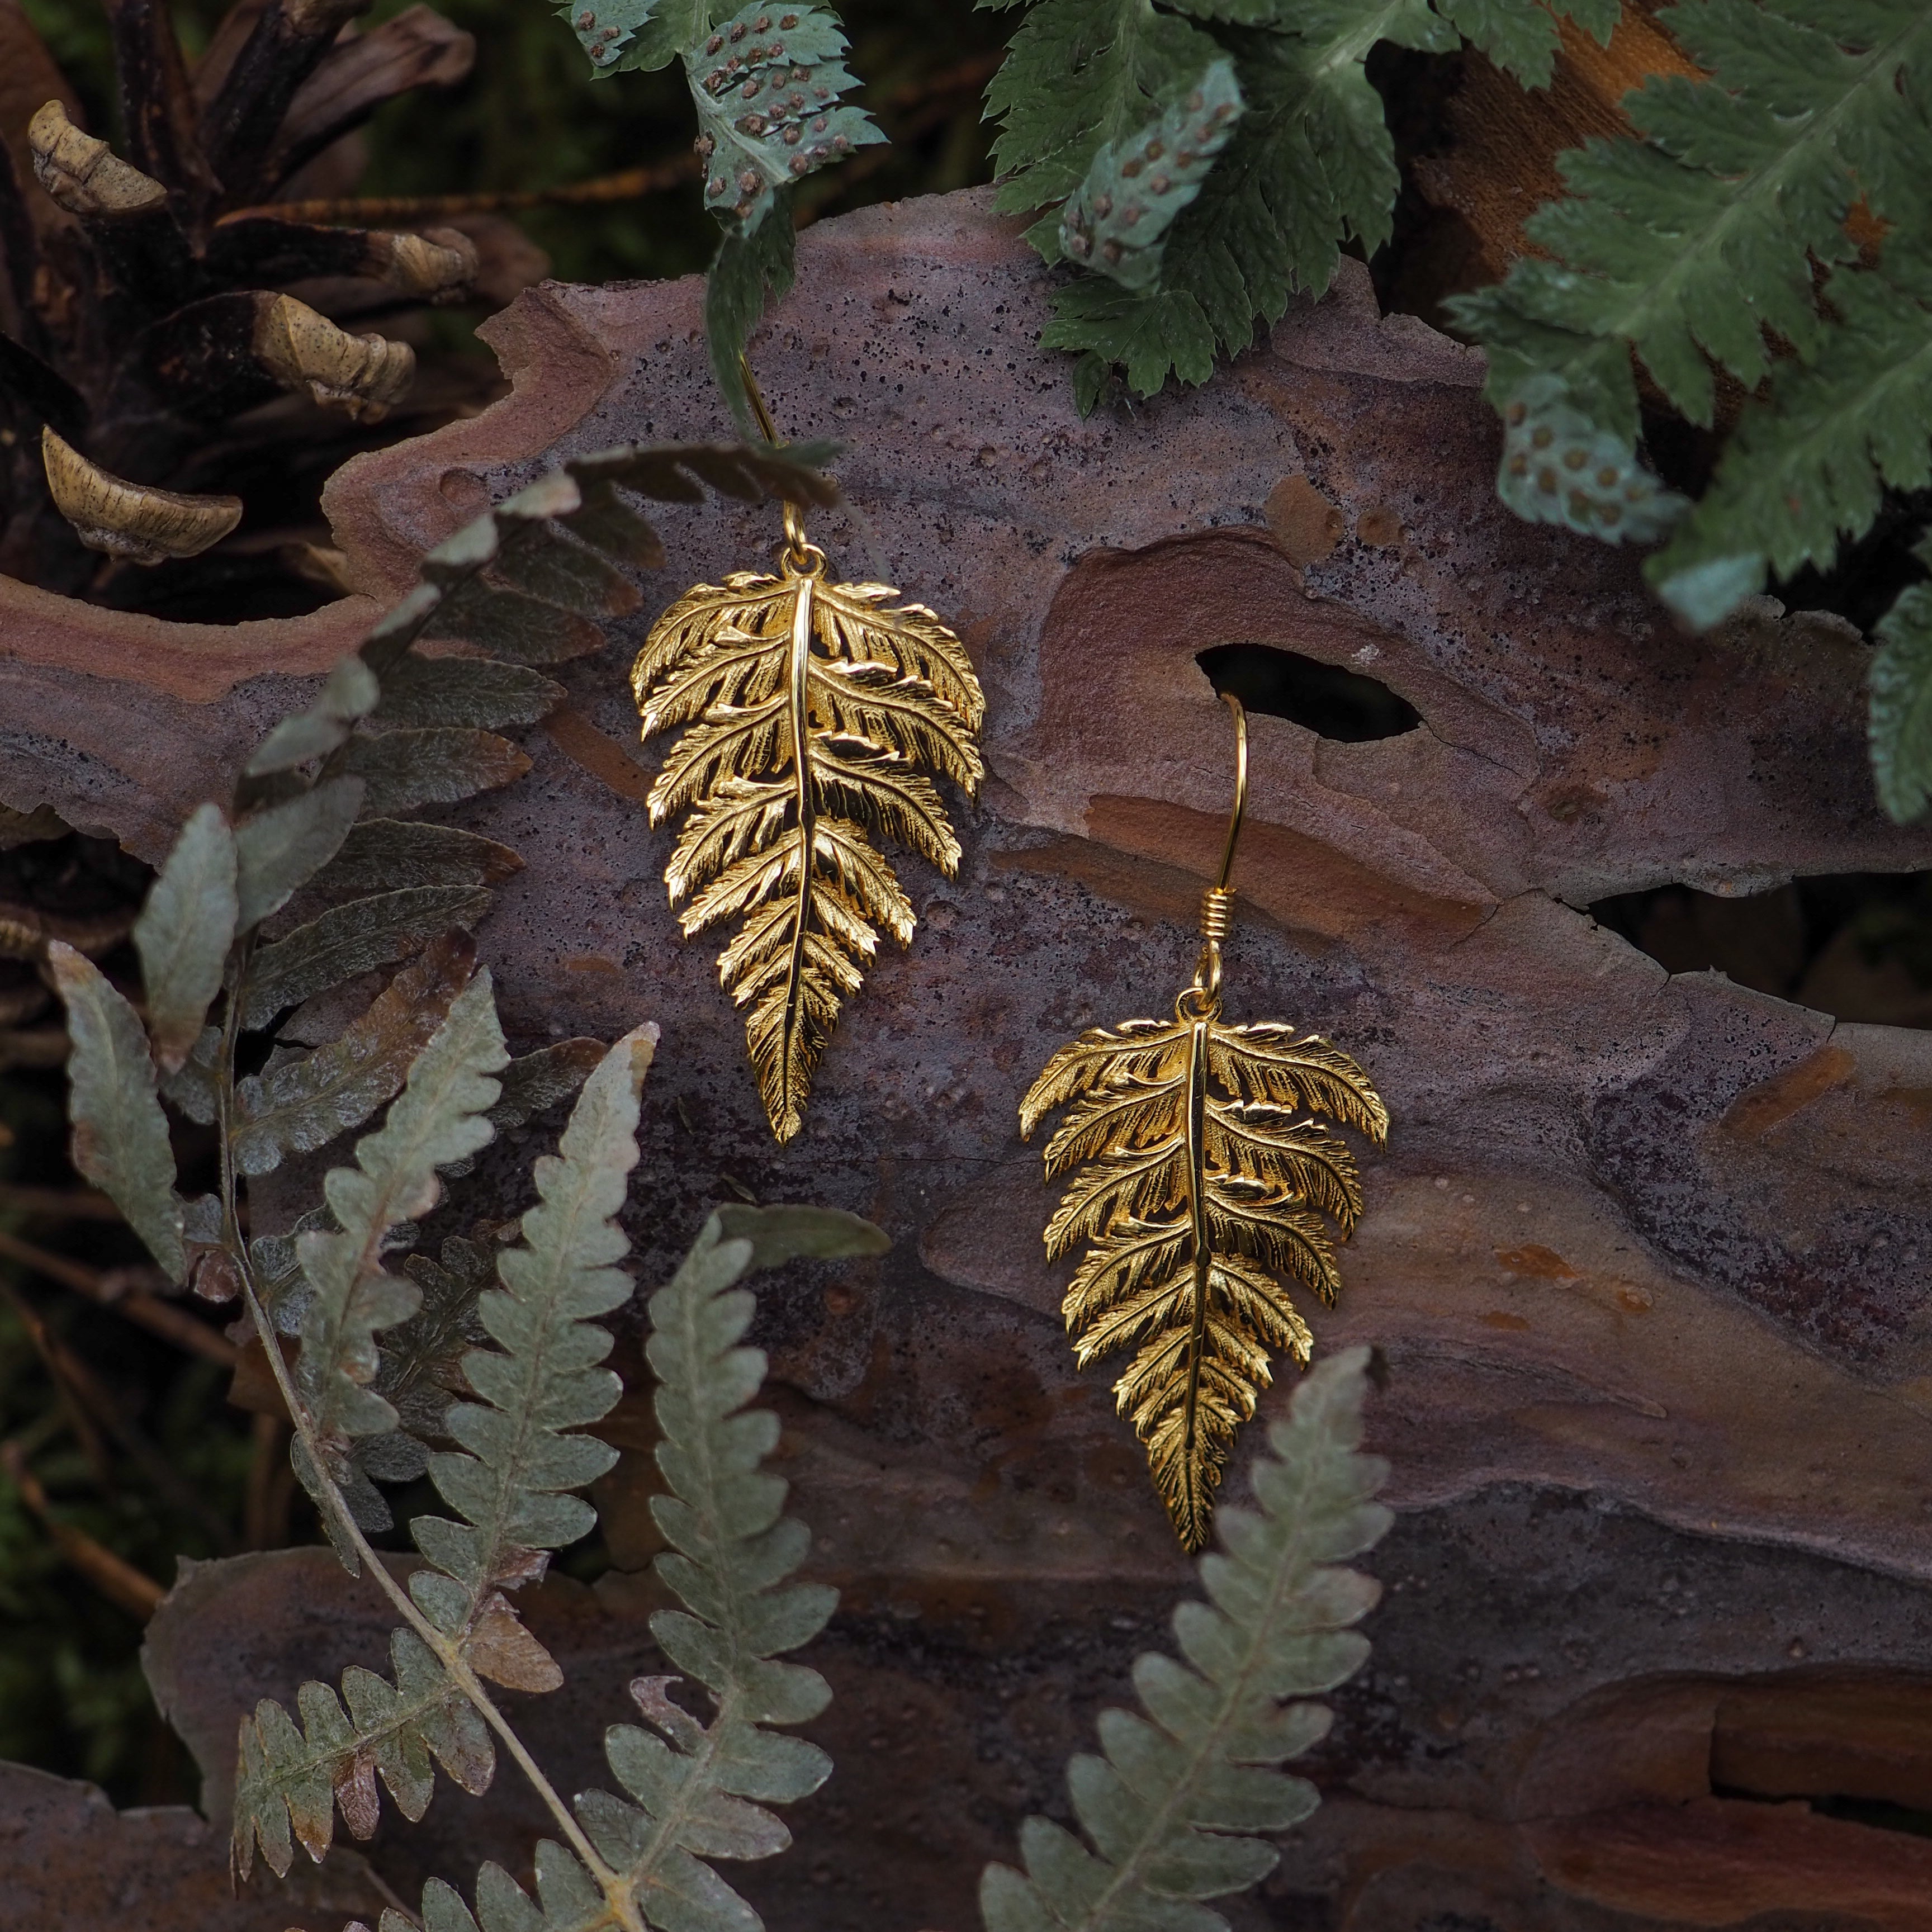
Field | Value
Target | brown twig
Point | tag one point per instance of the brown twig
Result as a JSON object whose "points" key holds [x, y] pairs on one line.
{"points": [[160, 1318], [100, 1403], [271, 1481], [57, 1204], [74, 1404], [365, 211], [117, 1579]]}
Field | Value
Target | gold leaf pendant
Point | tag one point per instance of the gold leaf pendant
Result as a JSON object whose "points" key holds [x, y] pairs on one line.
{"points": [[816, 710], [1204, 1175]]}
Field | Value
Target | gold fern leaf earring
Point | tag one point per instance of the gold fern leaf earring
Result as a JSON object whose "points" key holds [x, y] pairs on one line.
{"points": [[816, 710], [1203, 1176]]}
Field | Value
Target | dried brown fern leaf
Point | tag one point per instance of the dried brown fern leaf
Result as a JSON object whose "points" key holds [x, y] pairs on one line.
{"points": [[813, 712], [1196, 1186]]}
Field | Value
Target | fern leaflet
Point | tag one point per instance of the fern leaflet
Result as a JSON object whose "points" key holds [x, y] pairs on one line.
{"points": [[1172, 1808], [1311, 165], [520, 1456]]}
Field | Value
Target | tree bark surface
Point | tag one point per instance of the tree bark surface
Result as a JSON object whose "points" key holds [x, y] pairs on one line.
{"points": [[1645, 1259]]}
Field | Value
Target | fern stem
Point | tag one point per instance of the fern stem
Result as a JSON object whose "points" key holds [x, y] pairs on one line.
{"points": [[618, 1890]]}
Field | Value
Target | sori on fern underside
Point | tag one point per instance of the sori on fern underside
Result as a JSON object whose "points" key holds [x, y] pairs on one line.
{"points": [[1201, 163]]}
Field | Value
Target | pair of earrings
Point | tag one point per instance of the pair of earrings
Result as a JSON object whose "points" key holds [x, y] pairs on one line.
{"points": [[815, 711]]}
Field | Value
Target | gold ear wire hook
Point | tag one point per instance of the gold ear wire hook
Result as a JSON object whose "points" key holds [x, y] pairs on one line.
{"points": [[1234, 705], [799, 551], [1217, 903]]}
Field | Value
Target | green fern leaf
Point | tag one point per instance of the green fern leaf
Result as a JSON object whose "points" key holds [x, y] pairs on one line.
{"points": [[1080, 74], [697, 1790], [1311, 165], [291, 1779], [520, 1455], [766, 82], [1171, 1810], [437, 1117], [1810, 463], [1151, 337], [1692, 241], [1901, 702]]}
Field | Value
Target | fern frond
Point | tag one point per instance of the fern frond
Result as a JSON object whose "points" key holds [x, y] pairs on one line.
{"points": [[809, 709], [1172, 1809], [698, 1790], [1089, 84], [1696, 246], [1810, 464], [522, 1456], [1185, 1226], [519, 1459], [291, 1779], [437, 1117]]}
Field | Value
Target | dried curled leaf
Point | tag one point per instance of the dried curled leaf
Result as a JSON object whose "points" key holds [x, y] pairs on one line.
{"points": [[132, 521], [811, 707], [1174, 1808], [84, 174], [1203, 1177]]}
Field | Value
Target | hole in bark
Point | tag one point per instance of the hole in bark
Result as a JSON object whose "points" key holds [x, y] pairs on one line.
{"points": [[1323, 698], [1856, 945]]}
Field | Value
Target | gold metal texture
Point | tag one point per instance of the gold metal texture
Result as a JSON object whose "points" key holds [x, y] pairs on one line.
{"points": [[1203, 1174], [815, 710]]}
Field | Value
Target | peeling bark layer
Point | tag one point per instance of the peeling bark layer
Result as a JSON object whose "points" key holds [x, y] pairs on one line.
{"points": [[1645, 1257]]}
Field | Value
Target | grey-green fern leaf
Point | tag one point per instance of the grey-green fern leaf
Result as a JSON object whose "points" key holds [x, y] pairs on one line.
{"points": [[522, 1455], [698, 1790], [538, 1387], [437, 1117], [1177, 1808]]}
